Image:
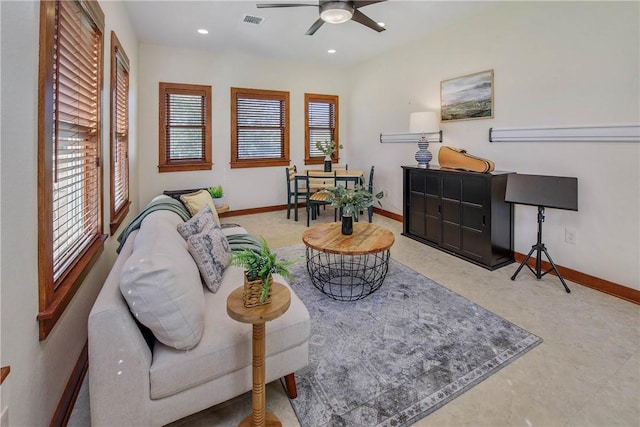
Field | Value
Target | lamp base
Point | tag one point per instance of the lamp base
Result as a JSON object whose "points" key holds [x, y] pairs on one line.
{"points": [[423, 156]]}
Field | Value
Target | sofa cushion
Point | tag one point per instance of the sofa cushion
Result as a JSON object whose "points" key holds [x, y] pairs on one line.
{"points": [[161, 283], [196, 201], [211, 252], [226, 344]]}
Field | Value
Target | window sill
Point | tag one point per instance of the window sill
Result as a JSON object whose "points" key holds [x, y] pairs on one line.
{"points": [[185, 167], [319, 161], [118, 217], [68, 286], [260, 163]]}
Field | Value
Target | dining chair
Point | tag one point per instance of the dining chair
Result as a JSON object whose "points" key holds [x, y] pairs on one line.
{"points": [[317, 181], [370, 209], [291, 193], [343, 167], [370, 190]]}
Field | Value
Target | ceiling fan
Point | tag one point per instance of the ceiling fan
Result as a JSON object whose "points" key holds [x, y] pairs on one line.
{"points": [[334, 12]]}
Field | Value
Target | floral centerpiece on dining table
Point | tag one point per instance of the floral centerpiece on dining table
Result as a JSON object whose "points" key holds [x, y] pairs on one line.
{"points": [[328, 148]]}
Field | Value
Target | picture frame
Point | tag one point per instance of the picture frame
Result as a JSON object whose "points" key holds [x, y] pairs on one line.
{"points": [[468, 97]]}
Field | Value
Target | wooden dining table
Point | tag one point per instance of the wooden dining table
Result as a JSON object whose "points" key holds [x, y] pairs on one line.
{"points": [[342, 175]]}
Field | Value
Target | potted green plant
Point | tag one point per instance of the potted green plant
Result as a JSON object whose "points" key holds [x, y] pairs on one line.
{"points": [[216, 194], [259, 265], [351, 202], [328, 148]]}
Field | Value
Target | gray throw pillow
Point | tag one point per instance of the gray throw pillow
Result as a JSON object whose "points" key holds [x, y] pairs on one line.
{"points": [[196, 224], [211, 251]]}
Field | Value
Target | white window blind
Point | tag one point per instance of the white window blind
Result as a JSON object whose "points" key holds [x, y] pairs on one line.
{"points": [[261, 127], [186, 126], [321, 125]]}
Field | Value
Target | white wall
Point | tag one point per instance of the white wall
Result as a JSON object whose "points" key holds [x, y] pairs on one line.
{"points": [[244, 187], [555, 63], [40, 369]]}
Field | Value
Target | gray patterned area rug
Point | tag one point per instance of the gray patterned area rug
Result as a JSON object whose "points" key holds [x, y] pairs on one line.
{"points": [[397, 355]]}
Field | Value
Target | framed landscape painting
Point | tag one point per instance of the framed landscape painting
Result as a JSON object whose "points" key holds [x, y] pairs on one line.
{"points": [[468, 97]]}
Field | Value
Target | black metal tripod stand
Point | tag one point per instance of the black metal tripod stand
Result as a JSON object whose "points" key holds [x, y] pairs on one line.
{"points": [[539, 248]]}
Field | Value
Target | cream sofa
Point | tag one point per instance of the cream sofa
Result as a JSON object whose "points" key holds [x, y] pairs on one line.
{"points": [[136, 380]]}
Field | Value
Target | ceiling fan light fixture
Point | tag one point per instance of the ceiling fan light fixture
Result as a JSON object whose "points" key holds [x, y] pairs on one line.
{"points": [[336, 12]]}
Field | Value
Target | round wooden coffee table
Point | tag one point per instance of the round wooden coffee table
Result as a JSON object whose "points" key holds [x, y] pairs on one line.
{"points": [[348, 268]]}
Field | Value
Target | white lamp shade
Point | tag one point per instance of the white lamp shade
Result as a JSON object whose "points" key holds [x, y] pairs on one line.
{"points": [[424, 122]]}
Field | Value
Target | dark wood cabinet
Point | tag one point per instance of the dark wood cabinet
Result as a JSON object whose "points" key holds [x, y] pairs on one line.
{"points": [[463, 213]]}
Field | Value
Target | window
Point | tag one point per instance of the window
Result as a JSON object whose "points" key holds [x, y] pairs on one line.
{"points": [[69, 165], [259, 128], [321, 124], [119, 134], [185, 127]]}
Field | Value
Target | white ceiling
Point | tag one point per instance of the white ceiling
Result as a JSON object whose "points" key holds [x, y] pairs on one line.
{"points": [[282, 36]]}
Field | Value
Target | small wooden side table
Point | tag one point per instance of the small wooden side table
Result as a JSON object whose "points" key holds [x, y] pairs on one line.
{"points": [[258, 316], [222, 209]]}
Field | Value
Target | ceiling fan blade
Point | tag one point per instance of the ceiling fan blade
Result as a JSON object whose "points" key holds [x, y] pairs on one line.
{"points": [[315, 27], [366, 21], [266, 5], [364, 3]]}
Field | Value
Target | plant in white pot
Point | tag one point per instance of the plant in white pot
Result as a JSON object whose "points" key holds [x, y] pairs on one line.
{"points": [[216, 194], [328, 148], [351, 202]]}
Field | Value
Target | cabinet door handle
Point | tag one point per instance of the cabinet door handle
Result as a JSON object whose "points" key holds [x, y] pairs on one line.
{"points": [[483, 220]]}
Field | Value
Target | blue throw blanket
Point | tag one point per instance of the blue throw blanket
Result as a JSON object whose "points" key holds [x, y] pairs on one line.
{"points": [[240, 242], [155, 205]]}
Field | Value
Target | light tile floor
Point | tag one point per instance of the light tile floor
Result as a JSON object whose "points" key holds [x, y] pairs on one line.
{"points": [[586, 373]]}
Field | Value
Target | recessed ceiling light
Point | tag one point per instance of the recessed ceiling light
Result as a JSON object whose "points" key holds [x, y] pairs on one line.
{"points": [[331, 51], [381, 24], [203, 31]]}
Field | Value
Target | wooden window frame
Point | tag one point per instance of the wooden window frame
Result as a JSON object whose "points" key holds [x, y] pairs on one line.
{"points": [[172, 165], [118, 57], [319, 98], [56, 294], [259, 94]]}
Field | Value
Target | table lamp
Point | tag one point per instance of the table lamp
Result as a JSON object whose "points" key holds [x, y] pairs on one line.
{"points": [[424, 122]]}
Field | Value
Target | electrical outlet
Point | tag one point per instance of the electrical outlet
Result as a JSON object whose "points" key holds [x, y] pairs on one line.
{"points": [[570, 235]]}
